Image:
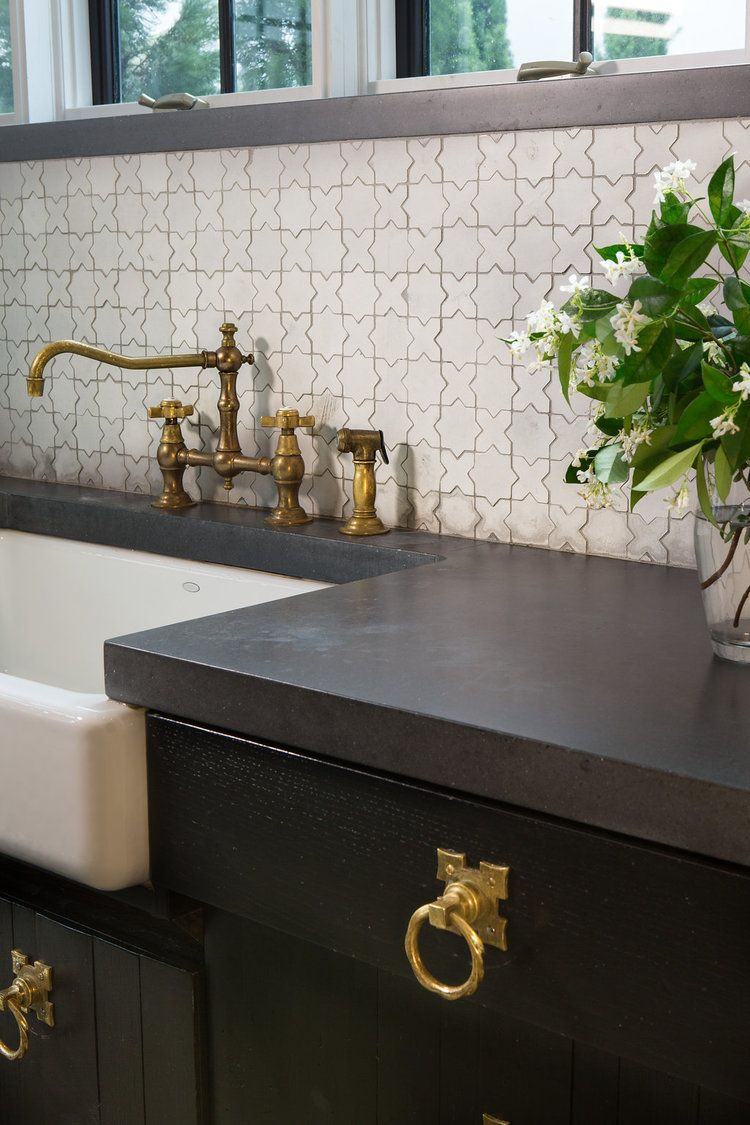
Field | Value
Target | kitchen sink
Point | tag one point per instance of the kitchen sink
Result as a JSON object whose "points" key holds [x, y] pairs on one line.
{"points": [[72, 761]]}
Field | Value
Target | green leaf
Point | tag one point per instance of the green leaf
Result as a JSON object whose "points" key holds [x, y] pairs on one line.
{"points": [[681, 364], [721, 192], [704, 499], [723, 474], [737, 297], [695, 420], [655, 341], [609, 466], [609, 426], [657, 299], [673, 210], [717, 384], [661, 241], [671, 469], [609, 253], [596, 303], [697, 289], [564, 354], [622, 400], [687, 256]]}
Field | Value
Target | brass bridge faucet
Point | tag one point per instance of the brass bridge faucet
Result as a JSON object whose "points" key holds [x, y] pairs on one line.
{"points": [[286, 467]]}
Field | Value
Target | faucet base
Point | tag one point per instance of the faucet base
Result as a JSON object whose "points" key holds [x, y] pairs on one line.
{"points": [[364, 525], [287, 517], [173, 501]]}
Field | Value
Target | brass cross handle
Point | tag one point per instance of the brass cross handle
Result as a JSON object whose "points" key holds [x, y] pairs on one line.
{"points": [[29, 992], [470, 908], [287, 420], [171, 410]]}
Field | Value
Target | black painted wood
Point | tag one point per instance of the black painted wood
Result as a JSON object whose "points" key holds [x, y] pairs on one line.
{"points": [[292, 1030], [173, 1078], [118, 1027], [304, 1034], [637, 951], [127, 1045]]}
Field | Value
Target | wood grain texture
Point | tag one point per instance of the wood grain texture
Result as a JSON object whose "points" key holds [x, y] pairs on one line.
{"points": [[640, 952], [118, 1032]]}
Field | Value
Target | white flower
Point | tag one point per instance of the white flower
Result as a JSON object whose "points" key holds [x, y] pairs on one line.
{"points": [[575, 284], [724, 423], [518, 342], [580, 454], [639, 434], [623, 266], [742, 386], [715, 353], [566, 323], [680, 498], [672, 178], [626, 323], [744, 206], [596, 495], [542, 319], [708, 308]]}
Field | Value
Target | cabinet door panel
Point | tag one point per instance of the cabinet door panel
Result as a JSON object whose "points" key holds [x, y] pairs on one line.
{"points": [[127, 1047]]}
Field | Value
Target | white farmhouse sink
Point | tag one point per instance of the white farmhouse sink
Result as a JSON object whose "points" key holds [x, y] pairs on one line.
{"points": [[72, 762]]}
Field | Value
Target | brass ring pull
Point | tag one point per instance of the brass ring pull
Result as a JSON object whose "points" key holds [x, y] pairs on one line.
{"points": [[469, 908], [29, 992], [10, 1002], [457, 925]]}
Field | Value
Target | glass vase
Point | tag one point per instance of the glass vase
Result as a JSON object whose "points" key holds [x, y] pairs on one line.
{"points": [[723, 558]]}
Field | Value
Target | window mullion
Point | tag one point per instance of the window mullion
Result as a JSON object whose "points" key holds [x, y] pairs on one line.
{"points": [[583, 36], [227, 61], [412, 38], [105, 52]]}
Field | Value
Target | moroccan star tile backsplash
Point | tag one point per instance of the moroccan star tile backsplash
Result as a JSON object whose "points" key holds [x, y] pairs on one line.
{"points": [[373, 281]]}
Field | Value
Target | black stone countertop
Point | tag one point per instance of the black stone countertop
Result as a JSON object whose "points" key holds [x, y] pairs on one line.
{"points": [[584, 688]]}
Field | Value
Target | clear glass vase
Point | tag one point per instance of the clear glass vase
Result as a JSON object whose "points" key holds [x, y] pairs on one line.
{"points": [[723, 559]]}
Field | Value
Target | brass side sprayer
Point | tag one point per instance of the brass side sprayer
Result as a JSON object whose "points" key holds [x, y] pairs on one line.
{"points": [[364, 445]]}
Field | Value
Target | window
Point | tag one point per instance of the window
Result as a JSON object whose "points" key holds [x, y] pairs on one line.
{"points": [[440, 37], [200, 46], [629, 29], [6, 59]]}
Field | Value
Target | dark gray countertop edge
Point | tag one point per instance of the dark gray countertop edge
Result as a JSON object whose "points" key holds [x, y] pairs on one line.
{"points": [[559, 781], [669, 95]]}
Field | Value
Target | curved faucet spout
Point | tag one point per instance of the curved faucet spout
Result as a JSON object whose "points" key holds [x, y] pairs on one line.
{"points": [[35, 378]]}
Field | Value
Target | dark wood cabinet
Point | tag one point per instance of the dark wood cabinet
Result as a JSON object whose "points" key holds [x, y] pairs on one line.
{"points": [[127, 1045], [263, 981], [623, 997]]}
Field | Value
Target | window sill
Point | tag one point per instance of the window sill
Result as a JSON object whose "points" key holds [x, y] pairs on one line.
{"points": [[669, 95]]}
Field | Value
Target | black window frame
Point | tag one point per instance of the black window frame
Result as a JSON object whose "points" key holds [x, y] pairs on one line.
{"points": [[413, 35], [104, 34]]}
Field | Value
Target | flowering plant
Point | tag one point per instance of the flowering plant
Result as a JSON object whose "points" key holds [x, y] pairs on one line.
{"points": [[666, 370]]}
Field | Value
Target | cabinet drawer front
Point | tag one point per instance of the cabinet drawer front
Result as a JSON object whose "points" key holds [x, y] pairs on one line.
{"points": [[641, 952]]}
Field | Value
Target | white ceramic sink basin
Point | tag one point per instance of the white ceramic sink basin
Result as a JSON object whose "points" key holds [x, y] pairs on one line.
{"points": [[72, 762]]}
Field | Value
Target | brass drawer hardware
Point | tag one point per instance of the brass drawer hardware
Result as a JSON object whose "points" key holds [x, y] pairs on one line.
{"points": [[469, 907], [29, 992], [364, 445], [488, 1119]]}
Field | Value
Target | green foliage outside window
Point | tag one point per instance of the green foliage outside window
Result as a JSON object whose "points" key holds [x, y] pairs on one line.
{"points": [[634, 46], [469, 35], [6, 69], [272, 46]]}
